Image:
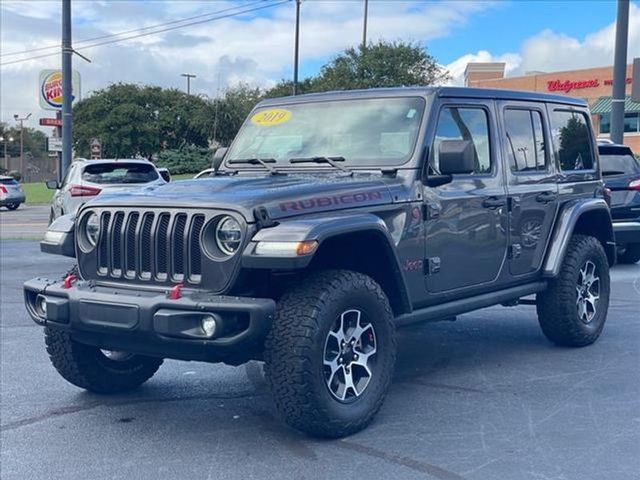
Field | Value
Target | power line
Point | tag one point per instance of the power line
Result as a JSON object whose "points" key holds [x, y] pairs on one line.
{"points": [[135, 30], [270, 5]]}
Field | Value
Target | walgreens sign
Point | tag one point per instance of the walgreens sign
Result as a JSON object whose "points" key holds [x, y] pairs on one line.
{"points": [[566, 86]]}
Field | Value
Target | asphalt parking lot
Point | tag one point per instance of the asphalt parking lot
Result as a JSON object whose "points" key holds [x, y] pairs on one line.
{"points": [[486, 397]]}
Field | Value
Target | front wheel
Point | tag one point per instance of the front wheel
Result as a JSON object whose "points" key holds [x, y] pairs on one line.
{"points": [[96, 370], [330, 354], [573, 309], [12, 206]]}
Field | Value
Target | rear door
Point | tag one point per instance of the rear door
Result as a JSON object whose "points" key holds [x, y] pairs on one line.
{"points": [[466, 221], [531, 183]]}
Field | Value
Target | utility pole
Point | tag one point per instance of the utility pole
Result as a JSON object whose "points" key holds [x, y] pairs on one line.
{"points": [[188, 76], [364, 27], [21, 120], [296, 50], [620, 72], [67, 119]]}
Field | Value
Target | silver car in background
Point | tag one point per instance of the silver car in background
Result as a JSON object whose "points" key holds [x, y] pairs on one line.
{"points": [[88, 178], [11, 193]]}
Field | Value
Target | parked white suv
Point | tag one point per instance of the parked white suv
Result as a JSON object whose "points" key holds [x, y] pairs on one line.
{"points": [[88, 178]]}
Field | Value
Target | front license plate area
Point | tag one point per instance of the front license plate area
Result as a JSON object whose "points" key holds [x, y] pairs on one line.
{"points": [[111, 315]]}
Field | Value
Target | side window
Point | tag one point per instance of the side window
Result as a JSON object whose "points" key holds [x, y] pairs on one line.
{"points": [[572, 140], [525, 143], [464, 123], [68, 176]]}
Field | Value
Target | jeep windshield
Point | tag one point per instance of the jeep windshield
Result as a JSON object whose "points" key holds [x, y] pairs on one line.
{"points": [[371, 132]]}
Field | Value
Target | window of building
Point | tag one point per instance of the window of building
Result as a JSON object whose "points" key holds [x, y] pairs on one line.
{"points": [[525, 144], [464, 123], [631, 122], [572, 140]]}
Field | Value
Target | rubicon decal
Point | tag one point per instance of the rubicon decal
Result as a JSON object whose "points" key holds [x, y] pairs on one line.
{"points": [[336, 200]]}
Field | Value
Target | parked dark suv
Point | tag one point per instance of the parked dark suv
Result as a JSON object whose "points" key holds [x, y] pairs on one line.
{"points": [[621, 171], [332, 220]]}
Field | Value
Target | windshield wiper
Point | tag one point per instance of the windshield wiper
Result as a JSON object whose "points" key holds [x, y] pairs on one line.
{"points": [[256, 161], [330, 160]]}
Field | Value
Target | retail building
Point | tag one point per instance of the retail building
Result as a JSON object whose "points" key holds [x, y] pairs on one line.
{"points": [[595, 85]]}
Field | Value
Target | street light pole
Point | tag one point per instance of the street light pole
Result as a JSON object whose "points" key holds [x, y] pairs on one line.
{"points": [[296, 50], [21, 120], [67, 119], [619, 72], [364, 27], [188, 76]]}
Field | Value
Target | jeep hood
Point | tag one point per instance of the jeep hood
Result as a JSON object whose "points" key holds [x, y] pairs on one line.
{"points": [[282, 195]]}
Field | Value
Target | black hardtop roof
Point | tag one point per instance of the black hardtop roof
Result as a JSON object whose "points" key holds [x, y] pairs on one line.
{"points": [[443, 92]]}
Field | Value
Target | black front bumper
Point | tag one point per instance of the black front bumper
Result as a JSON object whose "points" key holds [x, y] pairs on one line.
{"points": [[626, 232], [150, 322]]}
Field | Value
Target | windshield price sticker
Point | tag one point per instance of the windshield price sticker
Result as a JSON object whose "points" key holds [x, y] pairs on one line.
{"points": [[268, 118]]}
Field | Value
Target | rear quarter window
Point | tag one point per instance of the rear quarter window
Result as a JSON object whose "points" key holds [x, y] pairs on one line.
{"points": [[119, 173], [572, 140]]}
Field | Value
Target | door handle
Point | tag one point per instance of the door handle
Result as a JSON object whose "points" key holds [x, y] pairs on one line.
{"points": [[494, 202], [546, 197]]}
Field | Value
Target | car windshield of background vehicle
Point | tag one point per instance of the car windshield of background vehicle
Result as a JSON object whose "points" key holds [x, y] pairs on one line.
{"points": [[365, 132], [119, 173], [619, 164], [571, 140]]}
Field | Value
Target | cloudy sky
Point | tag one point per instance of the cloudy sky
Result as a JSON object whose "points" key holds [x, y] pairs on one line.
{"points": [[226, 42]]}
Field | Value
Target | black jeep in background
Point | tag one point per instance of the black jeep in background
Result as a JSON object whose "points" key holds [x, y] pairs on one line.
{"points": [[332, 220], [621, 172]]}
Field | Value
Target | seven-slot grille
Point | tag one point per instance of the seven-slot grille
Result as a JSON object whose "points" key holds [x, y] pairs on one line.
{"points": [[151, 245]]}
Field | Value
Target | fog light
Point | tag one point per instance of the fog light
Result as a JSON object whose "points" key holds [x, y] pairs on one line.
{"points": [[208, 325], [41, 305]]}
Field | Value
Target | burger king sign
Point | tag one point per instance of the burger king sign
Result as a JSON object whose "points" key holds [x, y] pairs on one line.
{"points": [[51, 88]]}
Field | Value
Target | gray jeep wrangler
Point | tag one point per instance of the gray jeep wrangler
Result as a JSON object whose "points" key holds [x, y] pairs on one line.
{"points": [[332, 220]]}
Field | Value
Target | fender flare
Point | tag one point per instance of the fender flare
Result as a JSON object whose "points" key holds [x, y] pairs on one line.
{"points": [[565, 226], [321, 229], [59, 239]]}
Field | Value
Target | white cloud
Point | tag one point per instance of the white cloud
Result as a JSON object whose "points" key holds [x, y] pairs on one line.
{"points": [[254, 48], [551, 51]]}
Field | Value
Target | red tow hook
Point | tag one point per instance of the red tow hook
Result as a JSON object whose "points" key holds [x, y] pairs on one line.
{"points": [[68, 282], [176, 292]]}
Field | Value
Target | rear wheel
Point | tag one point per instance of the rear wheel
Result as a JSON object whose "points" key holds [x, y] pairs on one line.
{"points": [[631, 253], [330, 354], [97, 370], [573, 309], [12, 206]]}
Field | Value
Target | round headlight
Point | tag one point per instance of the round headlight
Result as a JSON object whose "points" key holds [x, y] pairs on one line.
{"points": [[228, 235], [92, 228]]}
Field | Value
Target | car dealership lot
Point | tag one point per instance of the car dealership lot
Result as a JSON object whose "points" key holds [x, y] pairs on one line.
{"points": [[484, 397]]}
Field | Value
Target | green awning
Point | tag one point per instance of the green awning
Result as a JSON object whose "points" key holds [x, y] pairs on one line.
{"points": [[603, 105]]}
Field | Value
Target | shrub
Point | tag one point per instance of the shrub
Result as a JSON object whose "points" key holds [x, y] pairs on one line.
{"points": [[185, 160], [16, 175]]}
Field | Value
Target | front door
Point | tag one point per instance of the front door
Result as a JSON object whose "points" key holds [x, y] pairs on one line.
{"points": [[466, 220], [532, 183]]}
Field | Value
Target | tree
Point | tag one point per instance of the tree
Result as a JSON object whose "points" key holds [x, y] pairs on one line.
{"points": [[383, 64], [132, 120], [227, 114]]}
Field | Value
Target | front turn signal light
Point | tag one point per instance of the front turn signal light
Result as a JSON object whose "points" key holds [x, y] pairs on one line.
{"points": [[286, 249]]}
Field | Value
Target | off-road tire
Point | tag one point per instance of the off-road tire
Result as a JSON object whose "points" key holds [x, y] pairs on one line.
{"points": [[556, 306], [12, 206], [631, 254], [88, 367], [295, 346]]}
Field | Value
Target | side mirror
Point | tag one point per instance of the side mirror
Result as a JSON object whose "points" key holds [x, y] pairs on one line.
{"points": [[218, 158], [165, 174], [52, 184], [456, 157]]}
